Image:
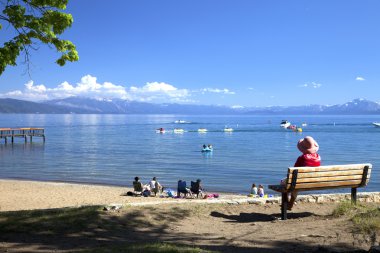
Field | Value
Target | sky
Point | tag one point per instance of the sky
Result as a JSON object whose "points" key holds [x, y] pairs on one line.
{"points": [[241, 53]]}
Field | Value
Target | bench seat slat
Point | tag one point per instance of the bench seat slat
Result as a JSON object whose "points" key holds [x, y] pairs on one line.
{"points": [[328, 179], [323, 188], [347, 183], [330, 168], [328, 173]]}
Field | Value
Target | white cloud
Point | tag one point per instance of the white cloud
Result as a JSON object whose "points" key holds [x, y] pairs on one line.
{"points": [[90, 87], [311, 85], [213, 90], [359, 78], [87, 87], [159, 92], [237, 107]]}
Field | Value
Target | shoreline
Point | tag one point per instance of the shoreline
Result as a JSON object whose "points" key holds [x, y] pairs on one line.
{"points": [[30, 195], [104, 184]]}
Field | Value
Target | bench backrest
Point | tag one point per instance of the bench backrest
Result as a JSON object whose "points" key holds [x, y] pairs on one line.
{"points": [[325, 177]]}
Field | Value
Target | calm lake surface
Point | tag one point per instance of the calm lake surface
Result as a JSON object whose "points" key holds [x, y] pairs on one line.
{"points": [[113, 149]]}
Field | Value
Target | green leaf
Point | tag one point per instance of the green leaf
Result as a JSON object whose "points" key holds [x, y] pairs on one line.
{"points": [[36, 22]]}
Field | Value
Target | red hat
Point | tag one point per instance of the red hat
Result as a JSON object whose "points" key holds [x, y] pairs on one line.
{"points": [[308, 145]]}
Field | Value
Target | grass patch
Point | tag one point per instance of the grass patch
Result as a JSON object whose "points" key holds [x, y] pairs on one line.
{"points": [[348, 209], [368, 222], [53, 221], [366, 218], [151, 248]]}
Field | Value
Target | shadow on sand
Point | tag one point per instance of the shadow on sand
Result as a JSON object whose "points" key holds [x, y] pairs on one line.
{"points": [[89, 228], [255, 217]]}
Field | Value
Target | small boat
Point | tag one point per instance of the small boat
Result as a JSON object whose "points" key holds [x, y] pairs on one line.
{"points": [[377, 124], [180, 121], [202, 130], [285, 124], [178, 130], [228, 129], [304, 124], [207, 148], [160, 130]]}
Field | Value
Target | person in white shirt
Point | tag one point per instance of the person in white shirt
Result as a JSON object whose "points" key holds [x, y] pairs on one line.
{"points": [[155, 186]]}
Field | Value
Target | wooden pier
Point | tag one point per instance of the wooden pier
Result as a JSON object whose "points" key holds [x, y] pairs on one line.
{"points": [[25, 132]]}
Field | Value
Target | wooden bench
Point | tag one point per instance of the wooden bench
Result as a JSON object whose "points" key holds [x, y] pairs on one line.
{"points": [[321, 178]]}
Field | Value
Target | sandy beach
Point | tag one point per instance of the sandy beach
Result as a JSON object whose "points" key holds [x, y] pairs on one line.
{"points": [[29, 195], [231, 223]]}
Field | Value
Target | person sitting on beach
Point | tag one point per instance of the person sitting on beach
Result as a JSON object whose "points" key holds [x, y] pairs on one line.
{"points": [[181, 188], [309, 158], [155, 186], [196, 188], [139, 187], [260, 190], [254, 190]]}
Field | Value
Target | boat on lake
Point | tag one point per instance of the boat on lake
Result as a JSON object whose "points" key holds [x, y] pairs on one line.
{"points": [[285, 124], [178, 130], [160, 130], [207, 148], [228, 129], [377, 124], [202, 130], [181, 122]]}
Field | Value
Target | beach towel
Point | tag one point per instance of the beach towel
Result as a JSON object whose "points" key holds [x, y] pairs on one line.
{"points": [[211, 195]]}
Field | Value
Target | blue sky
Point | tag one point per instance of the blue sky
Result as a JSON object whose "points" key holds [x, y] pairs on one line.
{"points": [[234, 53]]}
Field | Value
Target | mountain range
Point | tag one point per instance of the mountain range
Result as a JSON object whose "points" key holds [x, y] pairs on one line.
{"points": [[117, 106]]}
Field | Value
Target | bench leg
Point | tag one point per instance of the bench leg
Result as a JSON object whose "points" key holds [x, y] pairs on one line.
{"points": [[284, 205], [353, 195]]}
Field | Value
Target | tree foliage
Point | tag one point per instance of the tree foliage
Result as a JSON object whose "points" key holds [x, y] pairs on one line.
{"points": [[33, 22]]}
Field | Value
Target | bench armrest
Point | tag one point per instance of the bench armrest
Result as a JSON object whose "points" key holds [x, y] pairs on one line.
{"points": [[277, 188]]}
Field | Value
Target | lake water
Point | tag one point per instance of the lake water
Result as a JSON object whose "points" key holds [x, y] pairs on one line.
{"points": [[113, 149]]}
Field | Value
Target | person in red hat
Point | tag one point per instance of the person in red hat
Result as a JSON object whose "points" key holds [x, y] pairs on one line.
{"points": [[309, 158], [309, 148]]}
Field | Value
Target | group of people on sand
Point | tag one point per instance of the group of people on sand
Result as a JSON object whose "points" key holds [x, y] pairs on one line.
{"points": [[154, 187], [309, 158], [257, 191]]}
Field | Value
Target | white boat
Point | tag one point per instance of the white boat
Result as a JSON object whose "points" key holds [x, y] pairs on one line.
{"points": [[228, 129], [181, 122], [377, 124], [202, 130], [178, 130], [285, 124]]}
